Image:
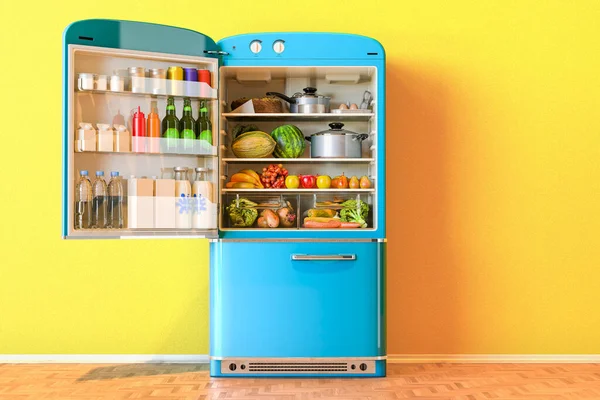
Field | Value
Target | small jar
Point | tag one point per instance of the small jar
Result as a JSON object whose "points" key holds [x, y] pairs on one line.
{"points": [[101, 82], [137, 75], [86, 81], [158, 77], [117, 83]]}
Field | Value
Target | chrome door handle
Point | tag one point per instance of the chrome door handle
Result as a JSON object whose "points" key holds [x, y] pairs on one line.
{"points": [[331, 257]]}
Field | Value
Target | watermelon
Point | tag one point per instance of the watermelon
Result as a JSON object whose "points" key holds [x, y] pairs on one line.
{"points": [[290, 141]]}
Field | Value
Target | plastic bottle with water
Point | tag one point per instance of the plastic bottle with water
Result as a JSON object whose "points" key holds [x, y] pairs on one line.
{"points": [[99, 201], [115, 201], [83, 201]]}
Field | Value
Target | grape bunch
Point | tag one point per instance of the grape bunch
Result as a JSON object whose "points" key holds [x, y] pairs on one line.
{"points": [[273, 176]]}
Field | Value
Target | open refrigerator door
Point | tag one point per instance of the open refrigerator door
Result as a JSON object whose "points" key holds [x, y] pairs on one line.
{"points": [[140, 151]]}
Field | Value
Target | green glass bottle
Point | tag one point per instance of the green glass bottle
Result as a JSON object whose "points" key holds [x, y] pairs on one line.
{"points": [[170, 126], [204, 127], [188, 125]]}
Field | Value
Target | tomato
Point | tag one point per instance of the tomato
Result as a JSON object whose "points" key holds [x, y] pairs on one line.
{"points": [[292, 182], [308, 181], [324, 182]]}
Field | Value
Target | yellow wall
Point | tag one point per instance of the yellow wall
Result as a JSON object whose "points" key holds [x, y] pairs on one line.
{"points": [[493, 190]]}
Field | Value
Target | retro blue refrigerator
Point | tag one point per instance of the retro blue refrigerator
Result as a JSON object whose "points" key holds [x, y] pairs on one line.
{"points": [[284, 301]]}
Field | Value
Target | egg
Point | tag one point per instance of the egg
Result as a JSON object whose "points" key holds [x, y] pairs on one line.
{"points": [[343, 106], [353, 106]]}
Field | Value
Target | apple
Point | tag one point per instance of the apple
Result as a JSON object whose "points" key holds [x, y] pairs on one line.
{"points": [[292, 182], [308, 181]]}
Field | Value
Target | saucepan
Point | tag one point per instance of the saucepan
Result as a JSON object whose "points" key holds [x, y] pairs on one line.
{"points": [[336, 143], [308, 102]]}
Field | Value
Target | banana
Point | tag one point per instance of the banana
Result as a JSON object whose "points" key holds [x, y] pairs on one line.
{"points": [[244, 185], [253, 174], [241, 177]]}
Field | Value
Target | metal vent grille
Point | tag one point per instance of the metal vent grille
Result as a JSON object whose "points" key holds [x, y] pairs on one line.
{"points": [[297, 366]]}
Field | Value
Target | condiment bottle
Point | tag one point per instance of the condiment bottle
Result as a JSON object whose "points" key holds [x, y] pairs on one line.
{"points": [[153, 129], [138, 131]]}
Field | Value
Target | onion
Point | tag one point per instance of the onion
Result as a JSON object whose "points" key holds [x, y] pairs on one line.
{"points": [[287, 218]]}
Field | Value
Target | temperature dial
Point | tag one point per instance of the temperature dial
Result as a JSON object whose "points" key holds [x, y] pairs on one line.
{"points": [[278, 46], [256, 46]]}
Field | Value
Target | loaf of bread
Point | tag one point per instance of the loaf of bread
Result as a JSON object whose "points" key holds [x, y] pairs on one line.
{"points": [[261, 105]]}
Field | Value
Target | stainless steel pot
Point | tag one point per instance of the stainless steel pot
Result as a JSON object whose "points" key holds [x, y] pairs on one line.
{"points": [[336, 143], [308, 102]]}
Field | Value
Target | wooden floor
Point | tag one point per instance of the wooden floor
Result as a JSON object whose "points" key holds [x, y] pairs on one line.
{"points": [[414, 381]]}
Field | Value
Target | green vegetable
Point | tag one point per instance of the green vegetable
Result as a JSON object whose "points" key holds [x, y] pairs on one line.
{"points": [[242, 214], [239, 129], [350, 212]]}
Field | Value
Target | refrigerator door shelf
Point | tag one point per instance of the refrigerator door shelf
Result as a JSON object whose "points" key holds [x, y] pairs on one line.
{"points": [[297, 299]]}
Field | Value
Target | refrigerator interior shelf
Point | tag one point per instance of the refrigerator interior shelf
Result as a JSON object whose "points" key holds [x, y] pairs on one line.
{"points": [[299, 160], [297, 117], [150, 87], [307, 191]]}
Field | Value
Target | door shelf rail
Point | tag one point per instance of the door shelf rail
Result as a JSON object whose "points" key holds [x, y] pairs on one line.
{"points": [[160, 88], [152, 145]]}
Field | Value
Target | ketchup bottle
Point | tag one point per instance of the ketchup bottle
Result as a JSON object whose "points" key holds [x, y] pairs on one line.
{"points": [[139, 131]]}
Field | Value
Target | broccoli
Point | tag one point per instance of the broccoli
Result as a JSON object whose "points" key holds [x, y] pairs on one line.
{"points": [[350, 212]]}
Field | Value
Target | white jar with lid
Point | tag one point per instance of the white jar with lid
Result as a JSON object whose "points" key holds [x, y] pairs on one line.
{"points": [[138, 81], [101, 82], [86, 81], [117, 83]]}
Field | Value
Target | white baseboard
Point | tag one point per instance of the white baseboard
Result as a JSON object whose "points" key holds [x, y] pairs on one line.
{"points": [[103, 358], [493, 358]]}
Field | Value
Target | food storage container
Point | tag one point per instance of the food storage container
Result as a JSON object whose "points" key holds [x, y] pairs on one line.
{"points": [[86, 81], [101, 82], [158, 76], [117, 83], [137, 75]]}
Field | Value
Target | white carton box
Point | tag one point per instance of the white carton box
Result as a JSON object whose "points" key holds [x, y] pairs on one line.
{"points": [[164, 203], [140, 199]]}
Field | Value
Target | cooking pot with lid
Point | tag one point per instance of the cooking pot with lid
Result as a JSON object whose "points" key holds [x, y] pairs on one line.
{"points": [[336, 143], [308, 102]]}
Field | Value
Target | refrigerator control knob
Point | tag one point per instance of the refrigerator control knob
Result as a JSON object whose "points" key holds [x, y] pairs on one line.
{"points": [[363, 367], [255, 46], [232, 367], [278, 46]]}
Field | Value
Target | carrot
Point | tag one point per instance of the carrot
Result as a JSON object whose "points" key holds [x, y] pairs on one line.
{"points": [[334, 223], [350, 225]]}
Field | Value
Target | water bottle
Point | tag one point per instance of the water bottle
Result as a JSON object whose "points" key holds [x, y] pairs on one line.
{"points": [[83, 201], [99, 194], [115, 203]]}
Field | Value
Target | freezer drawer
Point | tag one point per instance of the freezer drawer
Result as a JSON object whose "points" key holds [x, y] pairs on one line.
{"points": [[297, 299]]}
